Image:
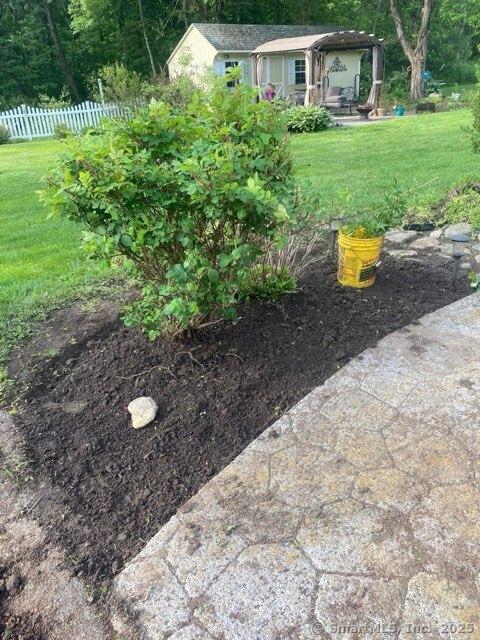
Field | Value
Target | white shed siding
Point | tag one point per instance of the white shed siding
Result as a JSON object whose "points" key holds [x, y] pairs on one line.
{"points": [[201, 52]]}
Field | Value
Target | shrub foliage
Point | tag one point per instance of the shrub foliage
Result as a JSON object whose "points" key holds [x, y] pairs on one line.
{"points": [[190, 198], [307, 118], [61, 131], [464, 207], [4, 134], [474, 130]]}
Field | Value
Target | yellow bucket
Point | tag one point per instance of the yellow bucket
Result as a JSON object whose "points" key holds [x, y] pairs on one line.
{"points": [[357, 260]]}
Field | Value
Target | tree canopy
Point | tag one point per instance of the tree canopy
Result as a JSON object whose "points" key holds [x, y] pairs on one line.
{"points": [[47, 45]]}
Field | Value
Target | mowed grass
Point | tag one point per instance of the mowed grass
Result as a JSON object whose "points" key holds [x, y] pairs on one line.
{"points": [[448, 89], [41, 263], [430, 150]]}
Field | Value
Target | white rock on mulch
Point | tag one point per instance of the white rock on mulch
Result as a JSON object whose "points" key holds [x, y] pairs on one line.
{"points": [[143, 411], [437, 233], [461, 227], [425, 243], [400, 237]]}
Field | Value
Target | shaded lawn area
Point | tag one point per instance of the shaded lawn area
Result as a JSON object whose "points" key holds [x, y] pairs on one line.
{"points": [[429, 148], [448, 89], [41, 263]]}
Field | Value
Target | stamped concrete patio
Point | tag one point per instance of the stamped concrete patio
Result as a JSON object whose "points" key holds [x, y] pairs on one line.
{"points": [[355, 516]]}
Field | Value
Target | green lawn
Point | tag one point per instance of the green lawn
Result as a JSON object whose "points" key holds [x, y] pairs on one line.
{"points": [[41, 263], [447, 90], [429, 148], [40, 260]]}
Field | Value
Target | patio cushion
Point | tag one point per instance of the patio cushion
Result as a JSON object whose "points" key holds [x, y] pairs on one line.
{"points": [[333, 91]]}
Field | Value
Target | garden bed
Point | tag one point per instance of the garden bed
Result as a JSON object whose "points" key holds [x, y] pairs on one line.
{"points": [[215, 393]]}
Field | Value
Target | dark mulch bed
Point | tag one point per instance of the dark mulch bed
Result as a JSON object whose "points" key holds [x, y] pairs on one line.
{"points": [[215, 394], [16, 627]]}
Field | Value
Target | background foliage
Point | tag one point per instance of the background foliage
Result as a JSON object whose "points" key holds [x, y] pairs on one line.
{"points": [[46, 45]]}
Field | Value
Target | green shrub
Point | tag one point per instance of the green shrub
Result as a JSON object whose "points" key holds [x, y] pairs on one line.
{"points": [[177, 92], [463, 208], [307, 118], [191, 199], [50, 102], [129, 88], [61, 131], [397, 86], [4, 134], [389, 212], [264, 282], [474, 130], [120, 85]]}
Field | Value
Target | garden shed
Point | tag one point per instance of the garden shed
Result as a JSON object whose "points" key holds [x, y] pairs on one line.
{"points": [[295, 58]]}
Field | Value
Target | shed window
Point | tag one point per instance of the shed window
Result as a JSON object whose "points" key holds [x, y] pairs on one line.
{"points": [[300, 68], [228, 65]]}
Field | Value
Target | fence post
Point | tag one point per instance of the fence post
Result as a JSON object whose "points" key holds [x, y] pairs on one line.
{"points": [[27, 122]]}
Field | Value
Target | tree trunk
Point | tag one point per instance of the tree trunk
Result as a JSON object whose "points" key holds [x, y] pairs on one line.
{"points": [[145, 37], [185, 14], [417, 53], [60, 51], [218, 10], [417, 67]]}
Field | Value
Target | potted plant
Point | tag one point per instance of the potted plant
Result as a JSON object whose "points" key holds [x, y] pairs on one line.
{"points": [[360, 240]]}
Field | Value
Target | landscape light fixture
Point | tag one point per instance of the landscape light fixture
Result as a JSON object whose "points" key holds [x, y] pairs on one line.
{"points": [[335, 225], [459, 245]]}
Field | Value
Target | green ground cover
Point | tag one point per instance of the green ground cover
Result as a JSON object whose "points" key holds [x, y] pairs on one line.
{"points": [[41, 263]]}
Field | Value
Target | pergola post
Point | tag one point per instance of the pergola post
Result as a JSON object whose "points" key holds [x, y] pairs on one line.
{"points": [[322, 58], [255, 72], [309, 76], [377, 67]]}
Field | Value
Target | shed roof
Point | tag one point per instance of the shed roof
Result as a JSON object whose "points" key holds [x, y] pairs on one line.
{"points": [[246, 37], [332, 40]]}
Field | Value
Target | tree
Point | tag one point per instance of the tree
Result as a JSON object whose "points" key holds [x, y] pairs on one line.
{"points": [[417, 52], [60, 50], [146, 38]]}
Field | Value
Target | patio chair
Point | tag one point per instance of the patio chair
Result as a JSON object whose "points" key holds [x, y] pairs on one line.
{"points": [[340, 98], [296, 98]]}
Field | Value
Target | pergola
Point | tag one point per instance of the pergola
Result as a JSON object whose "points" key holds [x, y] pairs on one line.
{"points": [[315, 49]]}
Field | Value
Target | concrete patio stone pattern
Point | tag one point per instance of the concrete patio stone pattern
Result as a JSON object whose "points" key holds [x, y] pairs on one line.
{"points": [[354, 516]]}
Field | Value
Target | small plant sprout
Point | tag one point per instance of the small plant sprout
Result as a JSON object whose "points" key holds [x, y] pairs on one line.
{"points": [[474, 278]]}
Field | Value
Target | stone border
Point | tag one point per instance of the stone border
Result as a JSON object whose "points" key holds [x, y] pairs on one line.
{"points": [[359, 509], [411, 244]]}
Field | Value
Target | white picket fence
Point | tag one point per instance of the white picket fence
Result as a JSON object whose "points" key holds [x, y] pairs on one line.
{"points": [[34, 122]]}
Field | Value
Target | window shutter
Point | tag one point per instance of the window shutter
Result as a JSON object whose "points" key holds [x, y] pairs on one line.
{"points": [[219, 67], [291, 71], [245, 67]]}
